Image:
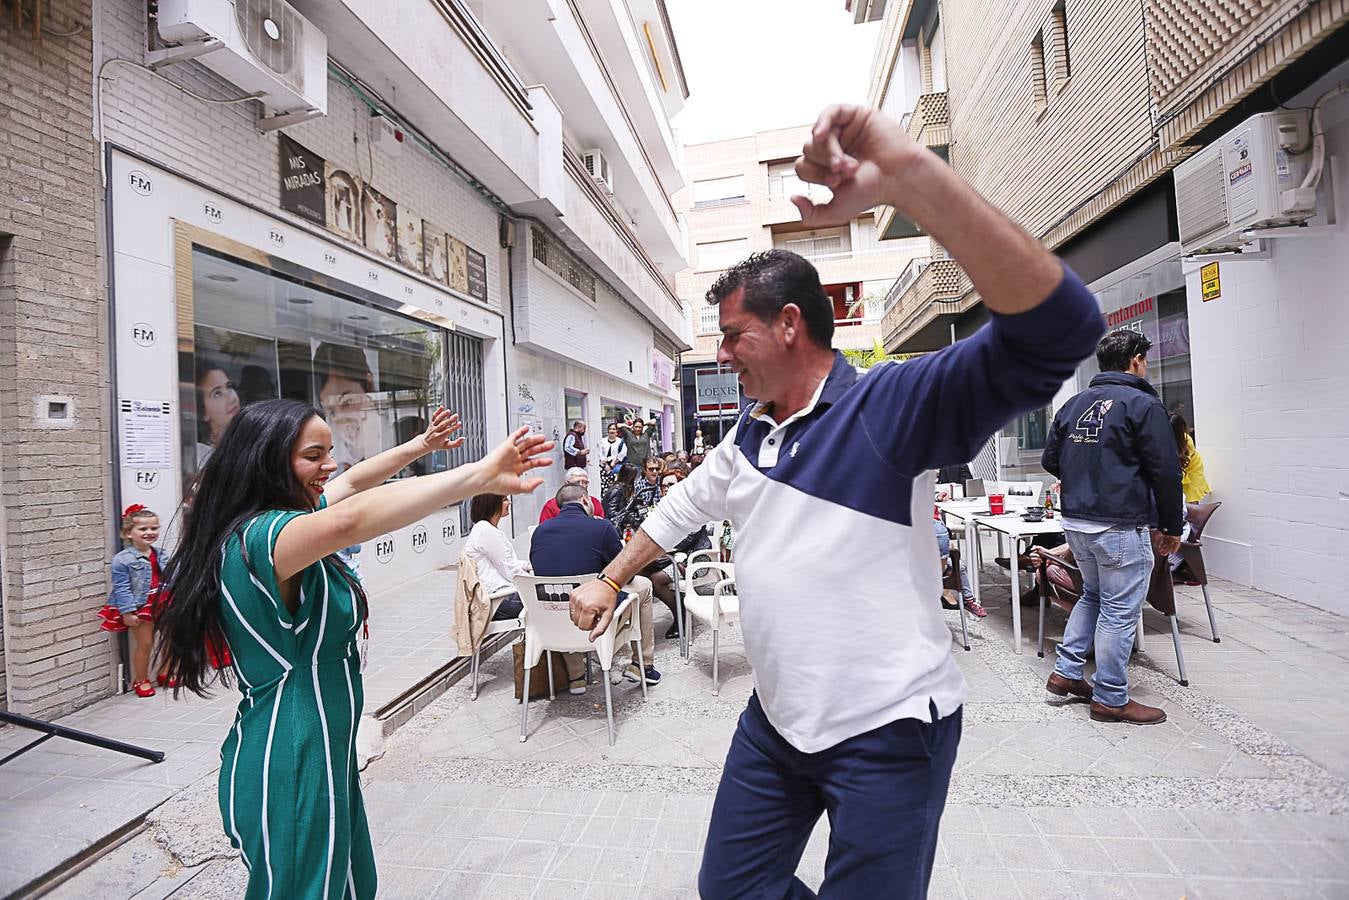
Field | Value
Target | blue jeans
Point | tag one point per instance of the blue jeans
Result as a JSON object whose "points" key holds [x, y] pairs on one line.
{"points": [[884, 792], [1116, 566], [944, 546]]}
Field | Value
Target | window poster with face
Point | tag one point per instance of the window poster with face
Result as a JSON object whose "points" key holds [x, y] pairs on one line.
{"points": [[458, 255], [231, 371], [345, 380], [343, 202], [410, 239], [435, 259], [380, 221]]}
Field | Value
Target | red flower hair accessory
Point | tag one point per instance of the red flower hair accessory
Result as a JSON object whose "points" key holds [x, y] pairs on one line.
{"points": [[133, 509]]}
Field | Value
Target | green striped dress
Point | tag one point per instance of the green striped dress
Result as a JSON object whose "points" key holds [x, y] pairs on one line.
{"points": [[290, 793]]}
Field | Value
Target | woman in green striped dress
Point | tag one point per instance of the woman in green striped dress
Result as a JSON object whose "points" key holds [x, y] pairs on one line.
{"points": [[257, 570]]}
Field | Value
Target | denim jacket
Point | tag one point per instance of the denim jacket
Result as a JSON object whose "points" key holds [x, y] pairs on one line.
{"points": [[131, 577]]}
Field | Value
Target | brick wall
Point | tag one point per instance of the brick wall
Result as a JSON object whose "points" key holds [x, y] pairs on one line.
{"points": [[55, 483], [53, 520], [221, 146]]}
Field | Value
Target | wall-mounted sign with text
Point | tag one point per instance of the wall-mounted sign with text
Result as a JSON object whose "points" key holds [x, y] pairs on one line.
{"points": [[315, 189]]}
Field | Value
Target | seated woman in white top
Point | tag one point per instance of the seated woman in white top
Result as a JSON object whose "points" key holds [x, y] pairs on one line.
{"points": [[492, 553]]}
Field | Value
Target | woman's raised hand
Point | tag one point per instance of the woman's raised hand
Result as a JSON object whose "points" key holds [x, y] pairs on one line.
{"points": [[505, 467], [443, 424]]}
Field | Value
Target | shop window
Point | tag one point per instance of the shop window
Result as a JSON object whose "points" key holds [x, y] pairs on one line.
{"points": [[576, 407], [376, 375], [1153, 302]]}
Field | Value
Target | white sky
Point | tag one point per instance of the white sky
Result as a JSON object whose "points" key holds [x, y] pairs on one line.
{"points": [[755, 65]]}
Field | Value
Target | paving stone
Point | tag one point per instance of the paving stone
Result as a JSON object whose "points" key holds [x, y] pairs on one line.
{"points": [[1222, 801]]}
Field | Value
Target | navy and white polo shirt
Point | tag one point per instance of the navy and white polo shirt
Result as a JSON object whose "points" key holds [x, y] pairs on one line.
{"points": [[838, 589]]}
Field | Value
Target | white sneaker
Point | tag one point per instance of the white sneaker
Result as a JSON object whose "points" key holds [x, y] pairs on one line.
{"points": [[577, 687]]}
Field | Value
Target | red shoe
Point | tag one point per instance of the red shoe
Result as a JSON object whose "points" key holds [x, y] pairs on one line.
{"points": [[143, 688]]}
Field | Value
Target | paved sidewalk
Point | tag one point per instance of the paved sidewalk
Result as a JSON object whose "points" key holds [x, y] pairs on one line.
{"points": [[1242, 793], [62, 797]]}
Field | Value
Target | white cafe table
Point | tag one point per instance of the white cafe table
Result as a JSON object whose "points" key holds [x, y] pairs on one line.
{"points": [[973, 512], [1018, 529]]}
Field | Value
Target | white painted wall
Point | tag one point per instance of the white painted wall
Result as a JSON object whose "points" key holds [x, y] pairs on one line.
{"points": [[537, 388], [606, 335], [1271, 391]]}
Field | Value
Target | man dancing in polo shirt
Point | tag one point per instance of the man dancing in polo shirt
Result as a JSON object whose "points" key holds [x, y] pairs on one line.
{"points": [[828, 480]]}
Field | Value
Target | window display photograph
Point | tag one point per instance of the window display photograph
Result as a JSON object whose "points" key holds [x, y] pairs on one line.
{"points": [[259, 334]]}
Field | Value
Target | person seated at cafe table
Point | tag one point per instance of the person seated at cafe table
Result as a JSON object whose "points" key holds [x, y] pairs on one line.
{"points": [[974, 607], [574, 542], [575, 475]]}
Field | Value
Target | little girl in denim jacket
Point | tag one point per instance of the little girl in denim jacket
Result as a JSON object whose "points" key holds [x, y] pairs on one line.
{"points": [[136, 575]]}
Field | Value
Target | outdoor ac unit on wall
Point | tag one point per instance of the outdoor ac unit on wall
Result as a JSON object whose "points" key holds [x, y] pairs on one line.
{"points": [[263, 47], [598, 167], [1250, 179]]}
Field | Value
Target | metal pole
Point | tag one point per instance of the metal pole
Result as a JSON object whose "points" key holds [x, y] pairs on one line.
{"points": [[51, 730]]}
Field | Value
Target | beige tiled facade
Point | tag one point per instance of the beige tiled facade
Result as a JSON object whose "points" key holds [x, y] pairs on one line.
{"points": [[1060, 112]]}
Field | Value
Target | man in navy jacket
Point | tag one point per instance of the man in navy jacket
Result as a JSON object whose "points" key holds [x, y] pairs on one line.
{"points": [[1113, 449], [575, 543]]}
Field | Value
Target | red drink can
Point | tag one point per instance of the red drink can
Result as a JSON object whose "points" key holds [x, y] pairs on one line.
{"points": [[995, 504]]}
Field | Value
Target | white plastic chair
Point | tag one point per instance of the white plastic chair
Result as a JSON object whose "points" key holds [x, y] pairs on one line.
{"points": [[714, 610], [684, 584], [493, 627], [549, 629]]}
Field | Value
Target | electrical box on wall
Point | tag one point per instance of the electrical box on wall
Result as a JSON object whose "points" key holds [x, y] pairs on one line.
{"points": [[386, 136], [264, 47], [1257, 176]]}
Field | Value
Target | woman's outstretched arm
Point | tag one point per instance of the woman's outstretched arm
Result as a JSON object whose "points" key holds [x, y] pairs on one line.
{"points": [[380, 468], [366, 515]]}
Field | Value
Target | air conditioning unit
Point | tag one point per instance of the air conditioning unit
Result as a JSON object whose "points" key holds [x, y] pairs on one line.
{"points": [[598, 167], [1250, 179], [263, 47]]}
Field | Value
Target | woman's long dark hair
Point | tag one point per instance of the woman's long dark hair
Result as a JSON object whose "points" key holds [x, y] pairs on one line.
{"points": [[249, 473], [627, 479], [1181, 429]]}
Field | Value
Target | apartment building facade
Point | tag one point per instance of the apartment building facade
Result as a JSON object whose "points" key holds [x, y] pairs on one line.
{"points": [[1072, 116], [455, 206], [738, 202]]}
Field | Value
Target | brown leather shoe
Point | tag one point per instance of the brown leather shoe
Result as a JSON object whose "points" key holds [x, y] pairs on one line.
{"points": [[1062, 687], [1132, 713]]}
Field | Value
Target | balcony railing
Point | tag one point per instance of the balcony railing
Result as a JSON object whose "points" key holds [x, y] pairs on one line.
{"points": [[930, 122], [905, 280], [938, 281]]}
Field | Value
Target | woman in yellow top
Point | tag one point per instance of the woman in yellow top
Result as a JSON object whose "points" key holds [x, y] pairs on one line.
{"points": [[1192, 480]]}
